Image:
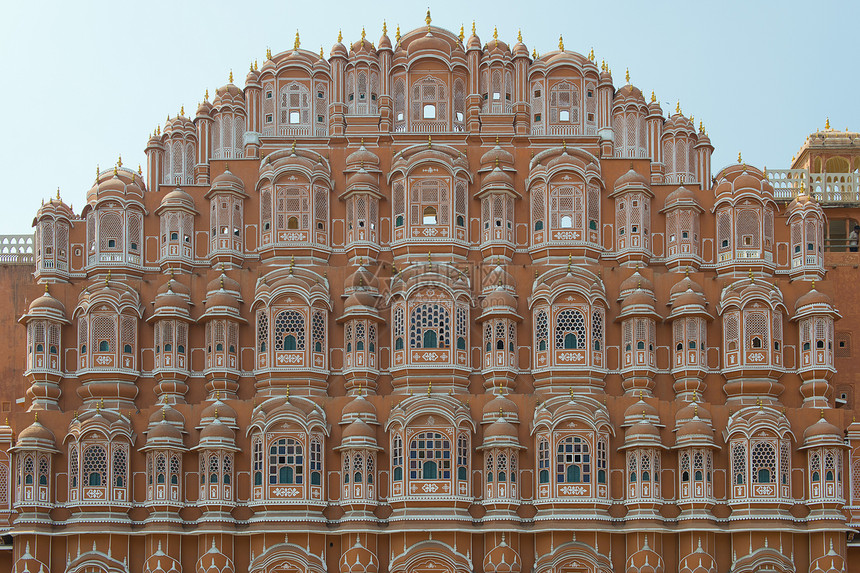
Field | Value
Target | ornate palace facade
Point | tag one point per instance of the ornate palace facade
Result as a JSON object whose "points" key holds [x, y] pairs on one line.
{"points": [[438, 304]]}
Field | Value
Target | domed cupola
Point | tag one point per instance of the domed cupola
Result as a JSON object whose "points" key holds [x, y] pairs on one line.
{"points": [[222, 319], [44, 320], [53, 223], [498, 199], [628, 122], [689, 317], [825, 448], [171, 321], [33, 473], [745, 217], [639, 340], [806, 223], [501, 449], [362, 199], [683, 229], [361, 322], [633, 197], [358, 451], [176, 163], [815, 317], [176, 214], [499, 319], [226, 219]]}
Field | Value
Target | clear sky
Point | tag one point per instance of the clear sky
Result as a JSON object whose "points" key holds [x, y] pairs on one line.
{"points": [[86, 81]]}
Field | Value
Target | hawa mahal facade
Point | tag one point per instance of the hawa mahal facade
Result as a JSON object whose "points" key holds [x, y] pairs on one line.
{"points": [[437, 305]]}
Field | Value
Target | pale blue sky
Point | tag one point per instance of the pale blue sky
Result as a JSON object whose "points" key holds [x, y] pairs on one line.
{"points": [[87, 81]]}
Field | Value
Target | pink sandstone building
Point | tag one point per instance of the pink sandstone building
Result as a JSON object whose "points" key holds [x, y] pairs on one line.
{"points": [[436, 305]]}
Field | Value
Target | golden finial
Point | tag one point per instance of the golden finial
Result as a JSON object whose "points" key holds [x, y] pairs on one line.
{"points": [[119, 160], [678, 107], [696, 410], [752, 278], [496, 35], [163, 414], [230, 77], [501, 412], [428, 19], [107, 278], [397, 34], [182, 110], [363, 36], [569, 262], [827, 124], [473, 28], [822, 413], [58, 193], [288, 392], [158, 130], [429, 141], [561, 43], [591, 54], [293, 149], [292, 263], [298, 42], [627, 75], [46, 288], [429, 259], [813, 284], [322, 54], [429, 384], [359, 388], [564, 144], [462, 34], [701, 127], [758, 401], [216, 412], [115, 171], [384, 33], [268, 53], [139, 170], [36, 417], [740, 159], [339, 36], [570, 392], [534, 54], [686, 274], [255, 65], [519, 36], [653, 97]]}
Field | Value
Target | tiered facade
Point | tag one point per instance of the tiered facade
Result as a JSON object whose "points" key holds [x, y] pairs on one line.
{"points": [[434, 305]]}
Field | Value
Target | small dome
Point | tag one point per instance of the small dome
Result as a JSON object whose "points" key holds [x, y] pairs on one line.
{"points": [[813, 297], [628, 94], [384, 42], [361, 278], [223, 281], [362, 179], [48, 303], [218, 410], [362, 157], [500, 405], [683, 286], [631, 178], [822, 432], [500, 298], [694, 429], [55, 208], [167, 413], [204, 109], [429, 42], [498, 276], [163, 431], [227, 179], [688, 301], [36, 436], [501, 428], [175, 286], [357, 408], [497, 154], [359, 429], [638, 297], [642, 429], [217, 431], [221, 299], [633, 282], [681, 195], [640, 411], [497, 179], [170, 301], [360, 298], [690, 411], [473, 42], [338, 50], [177, 198], [520, 50]]}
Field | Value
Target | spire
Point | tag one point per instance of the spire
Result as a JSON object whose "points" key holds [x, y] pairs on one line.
{"points": [[653, 97], [519, 39], [339, 36], [740, 159], [496, 36], [297, 42], [678, 107], [473, 28], [363, 36], [230, 78], [462, 35], [397, 35], [827, 124], [627, 75], [268, 53], [322, 54], [561, 43], [119, 160], [384, 28], [428, 19]]}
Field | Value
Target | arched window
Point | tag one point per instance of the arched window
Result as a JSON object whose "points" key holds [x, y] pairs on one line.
{"points": [[570, 330], [286, 462], [95, 466], [295, 107], [289, 330], [429, 100], [430, 326], [573, 460], [763, 462], [564, 103], [430, 456], [397, 457]]}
